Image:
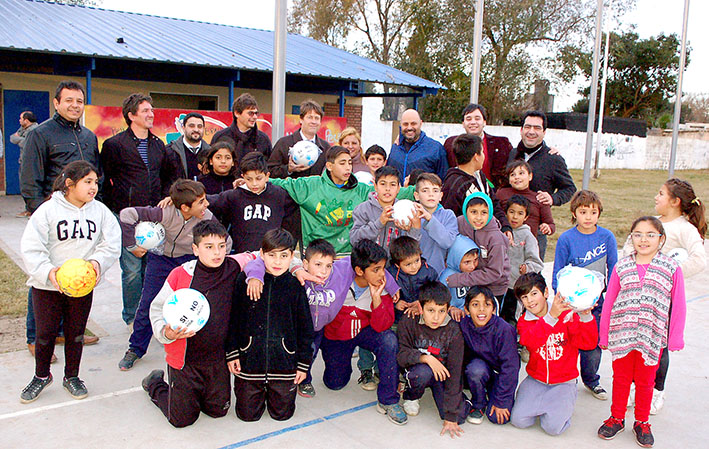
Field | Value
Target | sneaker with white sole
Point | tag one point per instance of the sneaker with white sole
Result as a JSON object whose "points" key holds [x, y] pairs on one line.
{"points": [[34, 388], [643, 434], [394, 412], [128, 360], [412, 407], [475, 416], [75, 387], [658, 400], [610, 428], [598, 392], [367, 380]]}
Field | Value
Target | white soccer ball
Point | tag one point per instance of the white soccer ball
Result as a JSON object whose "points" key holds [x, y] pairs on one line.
{"points": [[404, 211], [149, 235], [365, 177], [679, 255], [186, 308], [581, 287], [305, 152]]}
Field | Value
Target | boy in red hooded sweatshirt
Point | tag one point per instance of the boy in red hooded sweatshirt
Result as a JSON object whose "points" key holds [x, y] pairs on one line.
{"points": [[553, 334]]}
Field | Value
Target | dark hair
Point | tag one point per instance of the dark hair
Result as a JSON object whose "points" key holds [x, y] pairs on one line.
{"points": [[689, 203], [335, 151], [253, 161], [207, 166], [185, 192], [414, 176], [277, 239], [308, 106], [69, 85], [243, 102], [205, 228], [472, 107], [320, 246], [386, 170], [366, 253], [585, 198], [75, 171], [465, 147], [477, 201], [654, 221], [130, 104], [29, 116], [434, 291], [192, 115], [476, 290], [539, 114], [525, 283], [519, 200], [375, 149], [517, 163], [402, 248], [427, 177]]}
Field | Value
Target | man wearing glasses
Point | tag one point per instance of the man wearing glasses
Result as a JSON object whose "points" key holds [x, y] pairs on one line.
{"points": [[551, 179], [243, 133]]}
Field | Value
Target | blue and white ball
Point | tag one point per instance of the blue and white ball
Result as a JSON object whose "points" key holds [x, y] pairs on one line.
{"points": [[149, 235], [581, 287], [305, 153], [186, 308], [364, 177]]}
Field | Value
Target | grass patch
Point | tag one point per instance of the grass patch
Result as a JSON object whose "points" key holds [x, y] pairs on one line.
{"points": [[13, 291], [626, 195]]}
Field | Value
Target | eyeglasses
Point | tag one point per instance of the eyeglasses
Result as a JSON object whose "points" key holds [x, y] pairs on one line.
{"points": [[649, 235], [252, 113]]}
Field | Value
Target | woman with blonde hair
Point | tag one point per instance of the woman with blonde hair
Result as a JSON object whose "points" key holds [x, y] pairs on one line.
{"points": [[350, 139]]}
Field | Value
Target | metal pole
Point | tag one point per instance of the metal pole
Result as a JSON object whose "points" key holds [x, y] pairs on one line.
{"points": [[475, 77], [678, 95], [601, 107], [592, 98], [279, 71]]}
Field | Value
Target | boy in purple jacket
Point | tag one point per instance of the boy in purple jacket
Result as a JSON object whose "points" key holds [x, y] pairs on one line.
{"points": [[326, 290], [493, 371]]}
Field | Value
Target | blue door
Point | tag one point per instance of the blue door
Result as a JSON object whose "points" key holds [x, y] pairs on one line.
{"points": [[16, 102]]}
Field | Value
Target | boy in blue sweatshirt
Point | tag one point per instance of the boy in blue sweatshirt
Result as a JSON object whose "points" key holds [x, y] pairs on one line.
{"points": [[493, 371], [410, 271], [438, 224], [592, 247]]}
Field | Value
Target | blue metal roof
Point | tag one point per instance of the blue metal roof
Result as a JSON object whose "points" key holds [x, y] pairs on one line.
{"points": [[76, 30]]}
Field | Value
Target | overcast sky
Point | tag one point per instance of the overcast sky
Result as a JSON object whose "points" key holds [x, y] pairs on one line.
{"points": [[650, 16]]}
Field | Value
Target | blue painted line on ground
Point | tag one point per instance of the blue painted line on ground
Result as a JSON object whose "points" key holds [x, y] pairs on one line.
{"points": [[312, 422], [697, 298]]}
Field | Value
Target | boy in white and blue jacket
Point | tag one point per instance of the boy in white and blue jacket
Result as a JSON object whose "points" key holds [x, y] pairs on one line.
{"points": [[439, 227], [592, 247]]}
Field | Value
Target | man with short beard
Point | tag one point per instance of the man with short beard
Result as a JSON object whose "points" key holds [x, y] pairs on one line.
{"points": [[186, 154]]}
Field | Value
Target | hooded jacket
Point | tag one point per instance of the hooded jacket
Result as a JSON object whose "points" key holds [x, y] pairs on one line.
{"points": [[252, 140], [437, 236], [462, 246], [325, 299], [525, 250], [411, 283], [496, 344], [458, 185], [366, 225], [58, 231], [494, 265], [48, 149], [554, 344], [426, 154]]}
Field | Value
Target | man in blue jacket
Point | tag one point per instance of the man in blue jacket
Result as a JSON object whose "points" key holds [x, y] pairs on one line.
{"points": [[416, 150]]}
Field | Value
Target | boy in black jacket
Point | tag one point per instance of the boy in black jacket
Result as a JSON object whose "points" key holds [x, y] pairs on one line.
{"points": [[431, 353], [410, 271], [254, 208], [268, 348]]}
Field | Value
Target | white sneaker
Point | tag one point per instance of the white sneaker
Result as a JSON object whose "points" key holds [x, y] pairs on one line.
{"points": [[412, 407], [658, 400], [631, 396]]}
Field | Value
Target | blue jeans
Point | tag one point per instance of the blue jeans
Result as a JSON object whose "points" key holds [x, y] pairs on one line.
{"points": [[366, 360], [317, 341], [337, 355], [542, 241], [481, 380], [591, 360], [419, 377], [132, 276], [157, 270]]}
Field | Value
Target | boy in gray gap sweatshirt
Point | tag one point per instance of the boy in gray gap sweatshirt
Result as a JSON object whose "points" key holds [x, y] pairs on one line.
{"points": [[523, 254]]}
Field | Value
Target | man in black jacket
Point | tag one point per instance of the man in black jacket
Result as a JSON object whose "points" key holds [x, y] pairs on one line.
{"points": [[48, 148], [137, 173], [551, 178], [186, 154], [243, 133]]}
